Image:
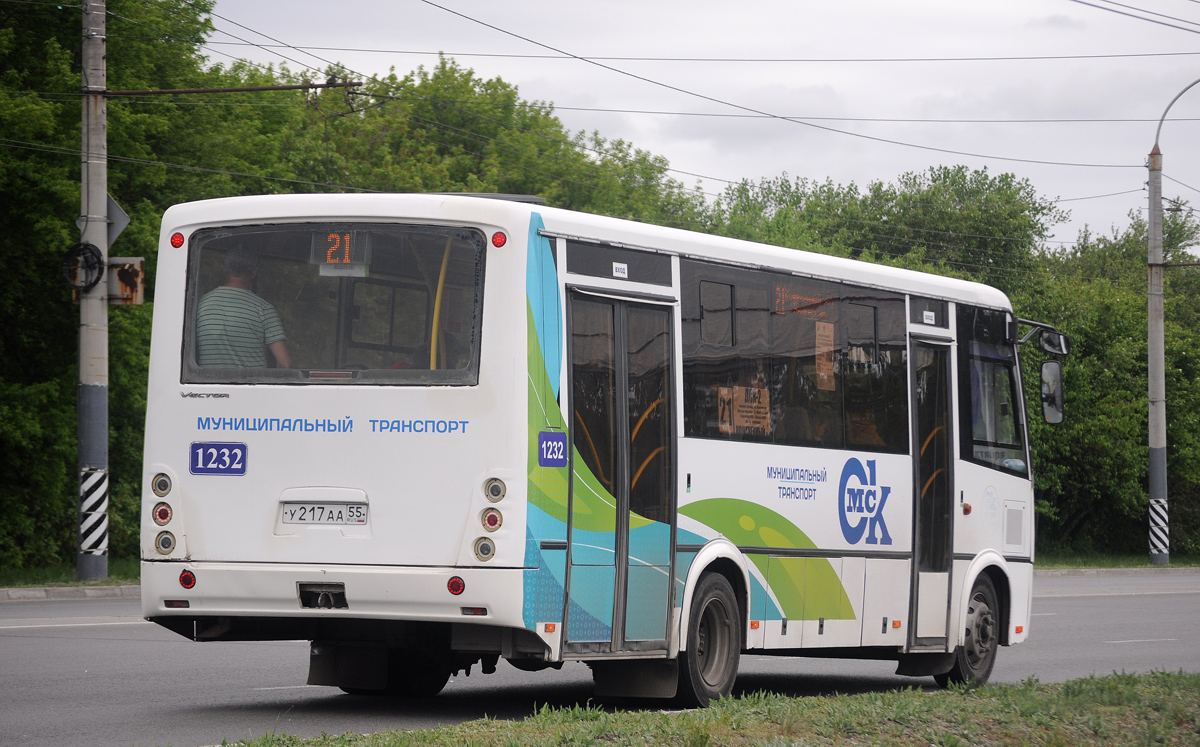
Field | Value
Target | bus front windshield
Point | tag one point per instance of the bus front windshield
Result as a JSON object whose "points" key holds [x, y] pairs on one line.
{"points": [[336, 303]]}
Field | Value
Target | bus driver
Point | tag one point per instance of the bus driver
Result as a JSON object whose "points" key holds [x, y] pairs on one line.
{"points": [[234, 326]]}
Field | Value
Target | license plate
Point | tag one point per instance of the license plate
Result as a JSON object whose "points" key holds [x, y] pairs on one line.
{"points": [[212, 458], [324, 513]]}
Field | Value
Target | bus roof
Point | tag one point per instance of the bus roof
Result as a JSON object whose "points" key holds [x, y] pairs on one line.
{"points": [[449, 208]]}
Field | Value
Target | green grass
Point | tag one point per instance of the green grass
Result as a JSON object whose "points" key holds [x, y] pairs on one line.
{"points": [[120, 571], [1120, 709], [1060, 559]]}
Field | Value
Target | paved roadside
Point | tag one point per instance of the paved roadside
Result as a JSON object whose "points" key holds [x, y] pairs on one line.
{"points": [[1111, 572], [70, 592], [134, 591]]}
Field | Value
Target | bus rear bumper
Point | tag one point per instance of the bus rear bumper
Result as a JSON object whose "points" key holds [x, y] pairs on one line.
{"points": [[490, 596]]}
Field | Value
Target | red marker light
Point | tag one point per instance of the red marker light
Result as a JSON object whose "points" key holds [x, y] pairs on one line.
{"points": [[499, 239], [456, 585], [177, 240], [187, 579]]}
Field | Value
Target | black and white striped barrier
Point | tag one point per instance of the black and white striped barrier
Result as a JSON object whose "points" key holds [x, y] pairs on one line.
{"points": [[1159, 534], [93, 511]]}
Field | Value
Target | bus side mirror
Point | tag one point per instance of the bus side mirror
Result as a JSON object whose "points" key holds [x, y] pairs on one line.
{"points": [[1052, 392], [1055, 343]]}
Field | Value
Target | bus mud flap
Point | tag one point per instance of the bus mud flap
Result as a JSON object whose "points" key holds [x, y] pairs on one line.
{"points": [[361, 667], [925, 665], [646, 678]]}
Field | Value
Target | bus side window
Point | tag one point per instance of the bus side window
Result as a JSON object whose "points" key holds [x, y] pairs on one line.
{"points": [[726, 353], [875, 374]]}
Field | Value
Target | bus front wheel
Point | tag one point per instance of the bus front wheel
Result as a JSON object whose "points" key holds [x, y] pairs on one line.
{"points": [[709, 666], [974, 659]]}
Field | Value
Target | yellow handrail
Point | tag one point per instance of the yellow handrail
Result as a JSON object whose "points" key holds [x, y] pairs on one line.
{"points": [[437, 307]]}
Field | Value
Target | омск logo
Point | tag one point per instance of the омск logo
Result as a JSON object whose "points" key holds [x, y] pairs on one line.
{"points": [[865, 502]]}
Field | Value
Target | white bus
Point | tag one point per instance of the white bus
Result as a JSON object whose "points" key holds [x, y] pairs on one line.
{"points": [[429, 431]]}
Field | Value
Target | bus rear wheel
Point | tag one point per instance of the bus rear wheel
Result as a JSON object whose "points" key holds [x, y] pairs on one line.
{"points": [[709, 666], [415, 674], [974, 659]]}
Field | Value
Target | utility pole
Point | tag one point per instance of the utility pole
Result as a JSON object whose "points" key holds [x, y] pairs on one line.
{"points": [[91, 560], [1160, 538], [1160, 543]]}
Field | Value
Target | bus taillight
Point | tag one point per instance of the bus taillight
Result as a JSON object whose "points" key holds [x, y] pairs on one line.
{"points": [[187, 579], [492, 519], [456, 585]]}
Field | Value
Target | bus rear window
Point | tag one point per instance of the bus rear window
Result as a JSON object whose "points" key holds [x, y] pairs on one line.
{"points": [[334, 303]]}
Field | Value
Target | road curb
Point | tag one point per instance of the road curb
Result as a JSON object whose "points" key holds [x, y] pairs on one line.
{"points": [[1113, 572], [132, 591]]}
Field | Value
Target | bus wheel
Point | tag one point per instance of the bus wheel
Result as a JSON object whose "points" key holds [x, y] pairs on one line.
{"points": [[974, 659], [416, 675], [709, 666]]}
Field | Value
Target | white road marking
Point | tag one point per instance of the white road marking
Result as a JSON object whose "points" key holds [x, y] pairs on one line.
{"points": [[1145, 640], [76, 625]]}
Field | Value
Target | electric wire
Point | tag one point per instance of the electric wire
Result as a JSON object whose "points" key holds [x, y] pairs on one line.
{"points": [[1181, 183], [58, 150], [934, 257], [1150, 12], [550, 108], [1131, 15], [742, 107], [645, 58]]}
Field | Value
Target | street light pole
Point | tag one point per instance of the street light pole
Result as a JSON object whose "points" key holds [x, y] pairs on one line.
{"points": [[1160, 544], [1159, 539]]}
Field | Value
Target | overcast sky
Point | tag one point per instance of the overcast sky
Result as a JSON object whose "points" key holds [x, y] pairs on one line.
{"points": [[829, 91]]}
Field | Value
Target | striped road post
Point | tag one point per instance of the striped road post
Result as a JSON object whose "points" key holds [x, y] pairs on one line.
{"points": [[1160, 544], [93, 514]]}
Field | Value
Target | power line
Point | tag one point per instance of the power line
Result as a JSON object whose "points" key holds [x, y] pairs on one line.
{"points": [[764, 113], [1181, 183], [646, 58], [1150, 12], [146, 162], [728, 115], [732, 115], [1131, 15], [59, 6], [927, 245]]}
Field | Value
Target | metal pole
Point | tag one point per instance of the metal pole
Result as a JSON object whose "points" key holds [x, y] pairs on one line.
{"points": [[91, 560]]}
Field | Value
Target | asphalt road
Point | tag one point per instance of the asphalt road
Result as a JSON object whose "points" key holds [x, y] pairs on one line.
{"points": [[92, 672]]}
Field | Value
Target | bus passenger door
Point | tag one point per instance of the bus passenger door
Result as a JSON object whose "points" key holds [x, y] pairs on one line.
{"points": [[930, 611], [622, 464]]}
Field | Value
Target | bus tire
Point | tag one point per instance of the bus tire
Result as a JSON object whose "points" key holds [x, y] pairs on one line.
{"points": [[416, 675], [709, 666], [974, 659]]}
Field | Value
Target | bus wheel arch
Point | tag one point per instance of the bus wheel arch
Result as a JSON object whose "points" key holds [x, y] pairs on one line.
{"points": [[722, 557]]}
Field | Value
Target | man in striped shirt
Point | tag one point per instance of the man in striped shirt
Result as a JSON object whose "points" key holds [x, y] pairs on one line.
{"points": [[234, 327]]}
